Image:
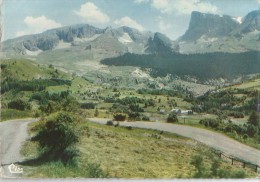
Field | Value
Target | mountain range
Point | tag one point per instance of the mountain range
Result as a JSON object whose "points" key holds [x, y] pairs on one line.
{"points": [[206, 33], [81, 48]]}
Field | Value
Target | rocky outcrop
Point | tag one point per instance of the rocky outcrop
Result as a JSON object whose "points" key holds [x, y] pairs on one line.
{"points": [[250, 23], [209, 25], [161, 44]]}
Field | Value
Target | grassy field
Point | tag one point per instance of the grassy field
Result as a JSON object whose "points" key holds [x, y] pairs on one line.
{"points": [[252, 84], [122, 153], [8, 114]]}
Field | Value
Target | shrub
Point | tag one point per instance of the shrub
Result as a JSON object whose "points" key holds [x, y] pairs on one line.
{"points": [[254, 119], [96, 113], [110, 123], [19, 105], [252, 130], [57, 136], [3, 66], [95, 171], [134, 116], [215, 167], [119, 117], [172, 118], [145, 118], [213, 123], [197, 162], [239, 174], [135, 108], [90, 105]]}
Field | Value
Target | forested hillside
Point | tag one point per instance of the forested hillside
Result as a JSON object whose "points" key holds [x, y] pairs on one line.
{"points": [[202, 66]]}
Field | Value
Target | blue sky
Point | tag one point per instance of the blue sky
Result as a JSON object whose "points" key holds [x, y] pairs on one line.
{"points": [[171, 17]]}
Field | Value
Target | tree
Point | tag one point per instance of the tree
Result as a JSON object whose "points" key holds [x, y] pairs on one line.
{"points": [[172, 118], [119, 117], [197, 162], [254, 119], [96, 113], [57, 137]]}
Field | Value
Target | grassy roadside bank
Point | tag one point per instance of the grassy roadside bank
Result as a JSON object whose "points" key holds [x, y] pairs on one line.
{"points": [[119, 152]]}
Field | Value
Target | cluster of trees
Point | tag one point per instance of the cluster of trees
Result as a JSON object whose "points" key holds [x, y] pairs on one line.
{"points": [[133, 107], [50, 103], [130, 106], [212, 102], [226, 103], [88, 105], [32, 85], [44, 97], [19, 104], [250, 129]]}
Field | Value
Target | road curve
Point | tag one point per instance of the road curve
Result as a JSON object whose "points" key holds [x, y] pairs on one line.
{"points": [[12, 135], [213, 139]]}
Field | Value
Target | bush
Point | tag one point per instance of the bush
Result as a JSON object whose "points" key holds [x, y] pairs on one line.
{"points": [[254, 119], [135, 108], [95, 171], [57, 136], [19, 105], [197, 162], [134, 116], [213, 123], [252, 130], [90, 105], [172, 118], [119, 117], [239, 174], [110, 123], [145, 118]]}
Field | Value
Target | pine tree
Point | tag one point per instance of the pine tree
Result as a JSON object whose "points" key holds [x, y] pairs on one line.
{"points": [[254, 119]]}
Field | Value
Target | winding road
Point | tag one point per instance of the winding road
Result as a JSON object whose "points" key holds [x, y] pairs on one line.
{"points": [[12, 135], [212, 139], [14, 132]]}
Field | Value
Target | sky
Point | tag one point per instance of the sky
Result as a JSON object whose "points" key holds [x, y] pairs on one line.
{"points": [[171, 17]]}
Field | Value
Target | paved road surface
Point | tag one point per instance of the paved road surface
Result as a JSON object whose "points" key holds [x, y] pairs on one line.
{"points": [[12, 135], [210, 138]]}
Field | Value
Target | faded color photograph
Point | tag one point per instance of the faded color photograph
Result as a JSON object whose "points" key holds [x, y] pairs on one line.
{"points": [[130, 89]]}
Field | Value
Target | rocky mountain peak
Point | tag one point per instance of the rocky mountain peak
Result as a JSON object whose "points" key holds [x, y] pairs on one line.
{"points": [[209, 25], [160, 43], [250, 23]]}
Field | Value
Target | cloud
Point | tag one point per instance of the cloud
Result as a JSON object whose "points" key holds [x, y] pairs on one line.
{"points": [[141, 1], [92, 14], [126, 21], [163, 25], [183, 6], [37, 25]]}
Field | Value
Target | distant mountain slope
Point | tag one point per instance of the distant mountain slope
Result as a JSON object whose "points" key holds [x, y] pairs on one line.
{"points": [[215, 33], [114, 42]]}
